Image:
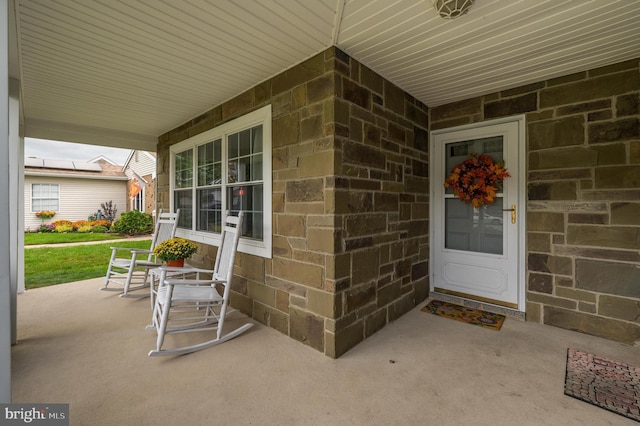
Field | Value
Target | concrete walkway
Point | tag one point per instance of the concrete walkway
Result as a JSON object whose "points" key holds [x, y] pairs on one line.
{"points": [[84, 243], [88, 348]]}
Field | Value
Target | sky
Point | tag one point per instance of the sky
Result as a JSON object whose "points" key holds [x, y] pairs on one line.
{"points": [[54, 150]]}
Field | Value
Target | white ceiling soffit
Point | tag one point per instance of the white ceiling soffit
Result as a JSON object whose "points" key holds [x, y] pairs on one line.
{"points": [[121, 73]]}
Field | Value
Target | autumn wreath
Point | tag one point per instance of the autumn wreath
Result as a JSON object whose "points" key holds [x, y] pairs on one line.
{"points": [[477, 179]]}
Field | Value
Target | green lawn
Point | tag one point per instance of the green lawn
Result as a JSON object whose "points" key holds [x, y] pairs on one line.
{"points": [[33, 238], [56, 265]]}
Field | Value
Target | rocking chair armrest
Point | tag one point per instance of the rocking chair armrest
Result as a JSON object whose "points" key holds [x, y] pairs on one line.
{"points": [[175, 282], [130, 249]]}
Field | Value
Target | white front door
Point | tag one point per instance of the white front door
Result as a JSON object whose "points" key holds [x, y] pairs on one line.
{"points": [[477, 253]]}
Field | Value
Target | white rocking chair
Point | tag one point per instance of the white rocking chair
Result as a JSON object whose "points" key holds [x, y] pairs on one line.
{"points": [[196, 304], [132, 272]]}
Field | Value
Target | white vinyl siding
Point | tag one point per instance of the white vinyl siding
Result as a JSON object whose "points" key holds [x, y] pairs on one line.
{"points": [[78, 197]]}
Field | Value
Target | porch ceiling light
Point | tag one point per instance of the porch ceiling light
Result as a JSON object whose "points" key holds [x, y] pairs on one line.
{"points": [[449, 9]]}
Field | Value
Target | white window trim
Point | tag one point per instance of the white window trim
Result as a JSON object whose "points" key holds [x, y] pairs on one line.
{"points": [[249, 246], [32, 197]]}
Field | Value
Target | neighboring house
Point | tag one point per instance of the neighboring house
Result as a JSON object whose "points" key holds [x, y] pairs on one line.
{"points": [[140, 169], [73, 189]]}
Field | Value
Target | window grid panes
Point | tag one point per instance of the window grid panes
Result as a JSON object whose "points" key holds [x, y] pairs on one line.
{"points": [[240, 160], [45, 196]]}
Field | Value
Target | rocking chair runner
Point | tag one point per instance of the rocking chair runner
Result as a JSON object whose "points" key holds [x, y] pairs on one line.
{"points": [[196, 304], [134, 270]]}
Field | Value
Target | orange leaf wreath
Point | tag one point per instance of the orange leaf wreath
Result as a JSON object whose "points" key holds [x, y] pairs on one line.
{"points": [[477, 179]]}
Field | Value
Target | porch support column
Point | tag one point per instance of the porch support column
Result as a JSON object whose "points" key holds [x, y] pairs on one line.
{"points": [[6, 294]]}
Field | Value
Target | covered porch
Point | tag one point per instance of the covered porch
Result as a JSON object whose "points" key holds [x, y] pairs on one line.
{"points": [[89, 348]]}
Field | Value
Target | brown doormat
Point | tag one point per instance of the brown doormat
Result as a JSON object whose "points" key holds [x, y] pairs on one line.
{"points": [[469, 315], [604, 383]]}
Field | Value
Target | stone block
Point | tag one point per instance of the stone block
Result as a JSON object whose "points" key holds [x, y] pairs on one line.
{"points": [[598, 253], [634, 158], [365, 224], [592, 218], [540, 242], [311, 128], [307, 328], [628, 105], [320, 88], [262, 293], [456, 109], [604, 236], [551, 300], [389, 293], [545, 222], [541, 283], [620, 308], [365, 265], [611, 154], [358, 297], [280, 246], [617, 177], [238, 106], [534, 312], [570, 293], [375, 322], [359, 154], [549, 264], [291, 225], [593, 88], [401, 306], [614, 278], [297, 272], [612, 131], [371, 80], [285, 130], [279, 321], [580, 108], [345, 339], [324, 240], [305, 190], [562, 132], [620, 331], [323, 303], [356, 94], [563, 158], [587, 307], [317, 164], [511, 106], [385, 202], [560, 190], [625, 213]]}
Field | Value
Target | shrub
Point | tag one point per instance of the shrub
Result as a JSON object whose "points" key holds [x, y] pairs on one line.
{"points": [[100, 222], [133, 223], [79, 223], [61, 222], [64, 227], [109, 210], [46, 228], [85, 228], [99, 229]]}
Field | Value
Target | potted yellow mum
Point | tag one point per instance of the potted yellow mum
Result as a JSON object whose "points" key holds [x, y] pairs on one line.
{"points": [[175, 250]]}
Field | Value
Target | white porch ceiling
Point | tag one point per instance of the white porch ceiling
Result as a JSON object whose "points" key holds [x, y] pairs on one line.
{"points": [[121, 73]]}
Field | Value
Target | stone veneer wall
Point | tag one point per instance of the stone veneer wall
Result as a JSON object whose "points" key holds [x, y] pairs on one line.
{"points": [[350, 202], [583, 210]]}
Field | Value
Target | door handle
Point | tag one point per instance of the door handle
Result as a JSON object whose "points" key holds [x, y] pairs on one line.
{"points": [[513, 212]]}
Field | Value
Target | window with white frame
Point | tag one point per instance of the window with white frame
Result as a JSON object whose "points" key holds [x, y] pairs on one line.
{"points": [[45, 196], [227, 168], [137, 202]]}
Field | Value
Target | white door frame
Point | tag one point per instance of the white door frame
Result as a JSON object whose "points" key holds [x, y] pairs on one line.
{"points": [[522, 198]]}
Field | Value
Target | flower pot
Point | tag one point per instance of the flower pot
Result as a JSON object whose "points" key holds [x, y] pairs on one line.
{"points": [[176, 263]]}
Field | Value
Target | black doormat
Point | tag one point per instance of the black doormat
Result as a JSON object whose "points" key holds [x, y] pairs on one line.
{"points": [[604, 383]]}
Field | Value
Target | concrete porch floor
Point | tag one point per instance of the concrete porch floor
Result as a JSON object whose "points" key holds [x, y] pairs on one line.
{"points": [[88, 348]]}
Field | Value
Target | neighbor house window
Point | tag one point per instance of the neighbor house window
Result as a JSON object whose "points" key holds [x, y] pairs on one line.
{"points": [[137, 202], [45, 196], [227, 168]]}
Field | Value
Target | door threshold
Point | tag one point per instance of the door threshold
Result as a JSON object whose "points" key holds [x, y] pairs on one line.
{"points": [[475, 304]]}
